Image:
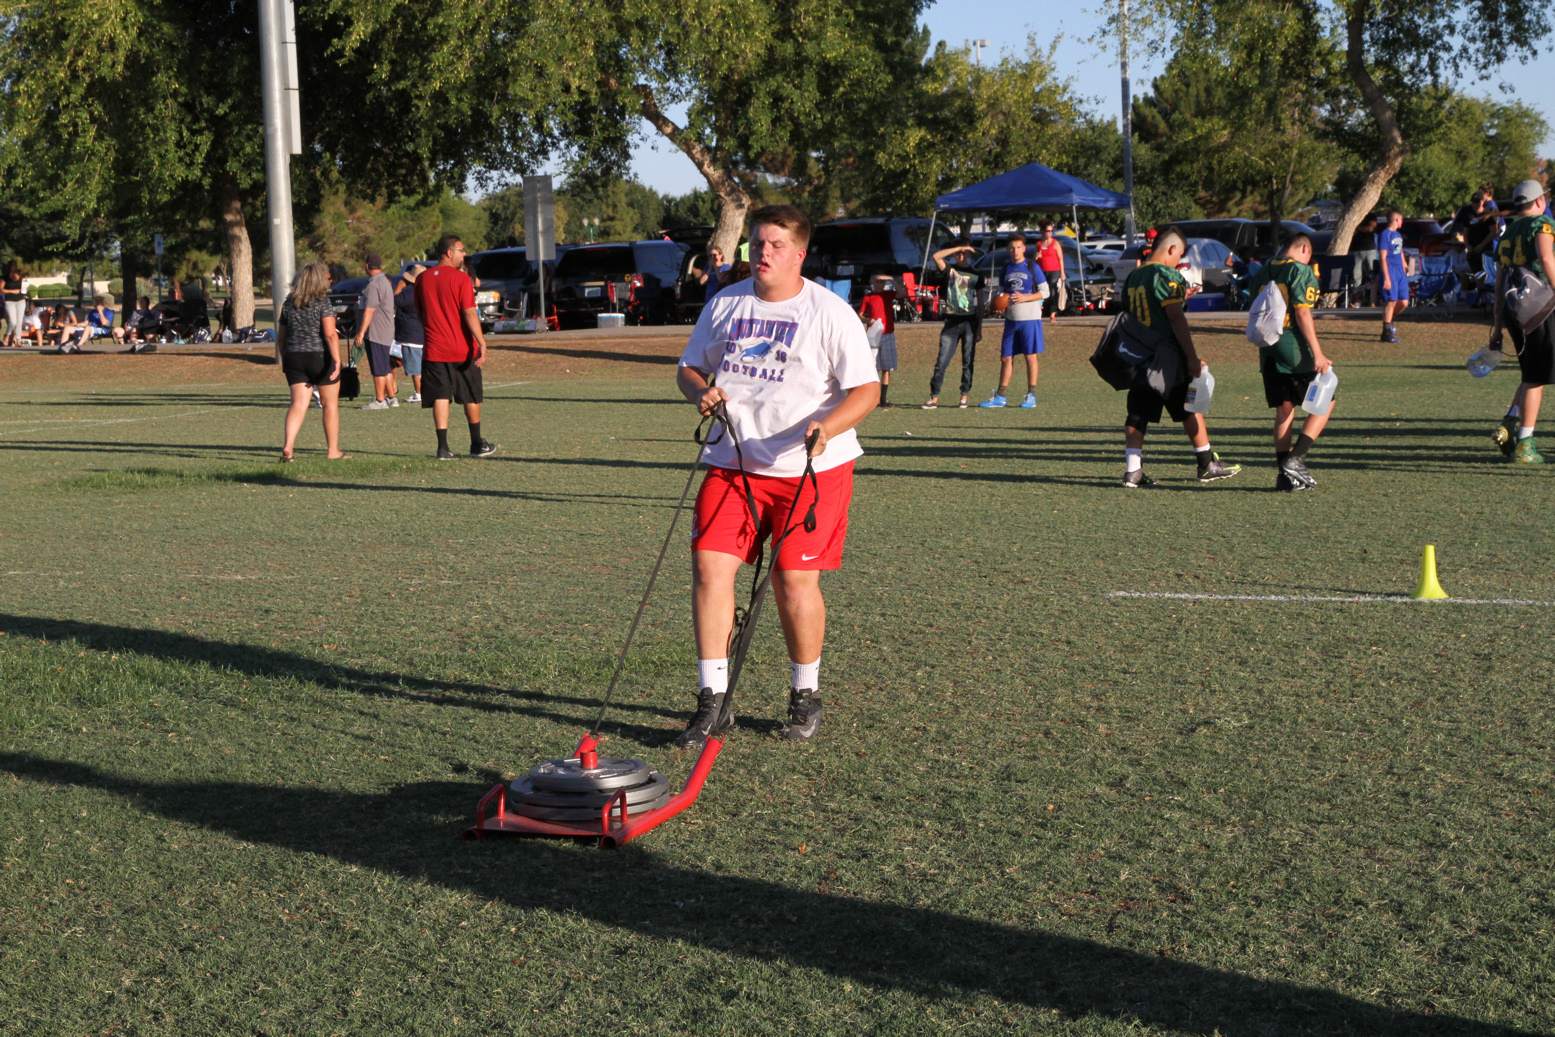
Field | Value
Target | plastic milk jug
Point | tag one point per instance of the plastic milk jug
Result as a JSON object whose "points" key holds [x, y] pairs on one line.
{"points": [[1200, 390], [1320, 394], [1484, 362]]}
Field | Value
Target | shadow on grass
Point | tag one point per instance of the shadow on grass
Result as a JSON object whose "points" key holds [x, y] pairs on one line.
{"points": [[595, 354], [276, 664], [922, 952]]}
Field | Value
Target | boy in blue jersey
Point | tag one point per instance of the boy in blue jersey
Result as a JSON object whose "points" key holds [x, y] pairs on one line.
{"points": [[1026, 286], [1391, 274]]}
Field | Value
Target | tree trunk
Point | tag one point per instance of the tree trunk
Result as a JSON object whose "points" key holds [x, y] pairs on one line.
{"points": [[127, 272], [1392, 148], [733, 200], [241, 281]]}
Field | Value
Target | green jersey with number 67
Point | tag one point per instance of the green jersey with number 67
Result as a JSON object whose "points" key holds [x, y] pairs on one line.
{"points": [[1149, 290], [1292, 354]]}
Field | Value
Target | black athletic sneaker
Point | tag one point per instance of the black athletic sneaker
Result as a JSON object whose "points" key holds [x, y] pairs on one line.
{"points": [[1506, 435], [1296, 471], [486, 449], [1282, 484], [1137, 479], [1214, 469], [704, 722], [804, 714], [444, 454]]}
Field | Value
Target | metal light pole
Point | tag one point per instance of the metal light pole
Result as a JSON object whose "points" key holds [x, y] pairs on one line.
{"points": [[1128, 122], [978, 46], [283, 135]]}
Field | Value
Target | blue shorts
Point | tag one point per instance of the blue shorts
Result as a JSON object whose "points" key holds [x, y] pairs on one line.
{"points": [[410, 356], [1398, 285], [1021, 338]]}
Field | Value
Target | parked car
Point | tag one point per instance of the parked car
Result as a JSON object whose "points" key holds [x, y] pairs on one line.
{"points": [[636, 278], [1098, 271], [345, 298], [1252, 239], [857, 250], [1425, 237], [1206, 265]]}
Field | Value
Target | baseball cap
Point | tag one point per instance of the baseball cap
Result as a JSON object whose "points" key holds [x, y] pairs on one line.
{"points": [[1150, 235], [1527, 192], [413, 271], [374, 261]]}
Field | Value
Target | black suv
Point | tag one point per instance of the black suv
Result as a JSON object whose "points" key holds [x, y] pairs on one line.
{"points": [[636, 278], [856, 250]]}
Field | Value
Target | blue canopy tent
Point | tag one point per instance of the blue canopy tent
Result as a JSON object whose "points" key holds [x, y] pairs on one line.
{"points": [[1031, 188]]}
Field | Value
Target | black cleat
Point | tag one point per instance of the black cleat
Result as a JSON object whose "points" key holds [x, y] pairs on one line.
{"points": [[1137, 479], [446, 455], [1215, 469], [1505, 436], [485, 449], [1294, 470], [804, 714], [704, 722]]}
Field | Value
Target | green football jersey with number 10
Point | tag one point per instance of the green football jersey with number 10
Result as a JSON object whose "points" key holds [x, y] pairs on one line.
{"points": [[1149, 290]]}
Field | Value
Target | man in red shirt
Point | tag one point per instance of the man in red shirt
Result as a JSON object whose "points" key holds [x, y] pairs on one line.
{"points": [[880, 305], [455, 347], [1050, 259]]}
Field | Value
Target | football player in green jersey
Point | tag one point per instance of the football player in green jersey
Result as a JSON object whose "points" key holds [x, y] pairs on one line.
{"points": [[1291, 363], [1529, 243], [1154, 295]]}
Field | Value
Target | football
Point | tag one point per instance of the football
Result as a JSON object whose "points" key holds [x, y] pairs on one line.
{"points": [[1001, 302]]}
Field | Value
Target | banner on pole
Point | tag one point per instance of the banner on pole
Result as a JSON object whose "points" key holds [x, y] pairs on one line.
{"points": [[539, 219]]}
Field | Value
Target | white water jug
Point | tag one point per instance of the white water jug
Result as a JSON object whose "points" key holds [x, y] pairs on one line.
{"points": [[1320, 394], [1200, 390]]}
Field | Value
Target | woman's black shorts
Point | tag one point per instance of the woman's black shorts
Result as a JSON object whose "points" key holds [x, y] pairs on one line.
{"points": [[308, 367], [441, 380]]}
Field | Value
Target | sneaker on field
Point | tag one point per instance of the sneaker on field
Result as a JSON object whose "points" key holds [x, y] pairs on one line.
{"points": [[704, 722], [446, 455], [392, 401], [1505, 435], [1527, 452], [1215, 469], [996, 400], [1136, 480], [375, 405], [1029, 402], [931, 405], [804, 714], [485, 449], [1294, 469], [414, 397]]}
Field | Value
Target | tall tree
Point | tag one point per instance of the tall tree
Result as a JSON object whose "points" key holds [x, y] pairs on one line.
{"points": [[1392, 50]]}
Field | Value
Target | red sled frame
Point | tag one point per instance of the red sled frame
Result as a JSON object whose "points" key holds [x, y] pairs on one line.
{"points": [[610, 831]]}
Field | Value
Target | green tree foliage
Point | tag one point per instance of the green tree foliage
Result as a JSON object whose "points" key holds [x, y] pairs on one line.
{"points": [[1460, 142], [1392, 51], [345, 228]]}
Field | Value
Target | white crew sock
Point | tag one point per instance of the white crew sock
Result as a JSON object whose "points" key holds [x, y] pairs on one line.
{"points": [[1201, 449], [713, 674], [1133, 459], [1526, 432], [806, 675]]}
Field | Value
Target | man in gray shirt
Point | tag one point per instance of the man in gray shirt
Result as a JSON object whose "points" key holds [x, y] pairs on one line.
{"points": [[377, 328]]}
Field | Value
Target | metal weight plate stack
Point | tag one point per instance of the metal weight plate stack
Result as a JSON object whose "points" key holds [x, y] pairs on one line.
{"points": [[562, 790]]}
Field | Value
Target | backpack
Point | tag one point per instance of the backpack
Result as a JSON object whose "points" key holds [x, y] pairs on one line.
{"points": [[1266, 317], [1528, 300], [1123, 352]]}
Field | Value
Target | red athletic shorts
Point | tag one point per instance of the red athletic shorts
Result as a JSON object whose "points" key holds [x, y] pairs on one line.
{"points": [[723, 521]]}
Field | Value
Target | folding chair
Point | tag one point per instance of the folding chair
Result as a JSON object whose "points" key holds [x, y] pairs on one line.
{"points": [[1334, 280]]}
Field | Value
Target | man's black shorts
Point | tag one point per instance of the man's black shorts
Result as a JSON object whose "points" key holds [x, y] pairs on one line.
{"points": [[308, 367], [378, 360], [1146, 404], [1285, 388], [441, 380], [1536, 352]]}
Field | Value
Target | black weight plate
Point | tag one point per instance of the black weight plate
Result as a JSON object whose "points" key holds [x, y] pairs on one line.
{"points": [[583, 813], [613, 772], [525, 792]]}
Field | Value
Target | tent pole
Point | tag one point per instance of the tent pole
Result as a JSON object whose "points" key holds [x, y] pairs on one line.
{"points": [[1079, 254], [928, 244]]}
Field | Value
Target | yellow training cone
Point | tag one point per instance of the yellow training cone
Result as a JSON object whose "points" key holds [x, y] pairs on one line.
{"points": [[1429, 589]]}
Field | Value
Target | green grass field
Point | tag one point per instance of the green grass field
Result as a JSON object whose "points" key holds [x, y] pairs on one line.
{"points": [[246, 712]]}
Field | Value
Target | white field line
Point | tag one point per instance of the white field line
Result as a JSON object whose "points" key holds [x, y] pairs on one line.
{"points": [[95, 422], [1354, 599], [505, 385]]}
